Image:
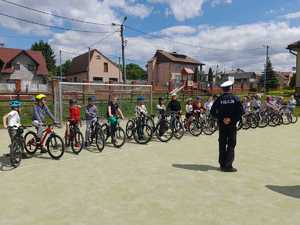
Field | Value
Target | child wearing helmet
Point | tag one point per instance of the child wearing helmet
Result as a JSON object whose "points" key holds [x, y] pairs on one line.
{"points": [[40, 111], [140, 108], [12, 121]]}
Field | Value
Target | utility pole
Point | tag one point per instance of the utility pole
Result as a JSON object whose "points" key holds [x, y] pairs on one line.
{"points": [[60, 66], [123, 46], [266, 68]]}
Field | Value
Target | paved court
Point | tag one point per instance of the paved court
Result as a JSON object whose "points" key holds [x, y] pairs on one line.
{"points": [[177, 183]]}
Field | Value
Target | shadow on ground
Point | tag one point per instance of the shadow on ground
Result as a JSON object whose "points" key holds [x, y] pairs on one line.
{"points": [[291, 191], [195, 167], [5, 163]]}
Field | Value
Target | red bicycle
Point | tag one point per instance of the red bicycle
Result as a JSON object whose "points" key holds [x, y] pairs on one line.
{"points": [[50, 140]]}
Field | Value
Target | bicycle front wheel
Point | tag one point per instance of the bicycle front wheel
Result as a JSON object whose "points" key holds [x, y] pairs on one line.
{"points": [[129, 128], [142, 134], [55, 146], [100, 140], [195, 128], [77, 142], [16, 150], [164, 132]]}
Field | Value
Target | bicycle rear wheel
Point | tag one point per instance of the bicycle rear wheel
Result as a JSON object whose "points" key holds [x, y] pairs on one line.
{"points": [[55, 146], [77, 142], [105, 131], [119, 137], [31, 145], [16, 150]]}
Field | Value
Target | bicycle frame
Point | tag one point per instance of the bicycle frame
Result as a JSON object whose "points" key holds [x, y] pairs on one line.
{"points": [[46, 133]]}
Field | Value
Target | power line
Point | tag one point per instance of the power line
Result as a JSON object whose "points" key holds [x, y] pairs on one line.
{"points": [[51, 26], [53, 14]]}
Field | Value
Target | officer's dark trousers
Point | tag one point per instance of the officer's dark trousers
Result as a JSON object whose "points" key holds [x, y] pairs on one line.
{"points": [[227, 143]]}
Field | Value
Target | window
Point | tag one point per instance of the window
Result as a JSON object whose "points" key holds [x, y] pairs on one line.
{"points": [[98, 57], [17, 66], [30, 67], [105, 67], [98, 79], [75, 79], [112, 80]]}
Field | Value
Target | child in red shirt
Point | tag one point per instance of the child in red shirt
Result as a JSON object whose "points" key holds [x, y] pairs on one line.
{"points": [[74, 117]]}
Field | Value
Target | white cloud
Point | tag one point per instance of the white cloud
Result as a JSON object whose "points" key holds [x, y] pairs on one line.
{"points": [[291, 16], [104, 11], [187, 9], [183, 9], [214, 3], [177, 30], [229, 46]]}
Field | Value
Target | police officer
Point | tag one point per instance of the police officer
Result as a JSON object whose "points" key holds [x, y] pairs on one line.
{"points": [[228, 110]]}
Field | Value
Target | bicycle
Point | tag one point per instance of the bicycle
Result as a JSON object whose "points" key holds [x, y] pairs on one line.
{"points": [[176, 125], [53, 143], [97, 135], [139, 129], [74, 138], [117, 135], [193, 124], [17, 147], [162, 129]]}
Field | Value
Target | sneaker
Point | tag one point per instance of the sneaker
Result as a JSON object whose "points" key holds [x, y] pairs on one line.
{"points": [[229, 170], [43, 150]]}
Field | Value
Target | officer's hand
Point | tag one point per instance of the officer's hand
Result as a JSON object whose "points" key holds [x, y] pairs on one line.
{"points": [[227, 121]]}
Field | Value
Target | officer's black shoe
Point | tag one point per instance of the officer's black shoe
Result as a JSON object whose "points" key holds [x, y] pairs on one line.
{"points": [[229, 170]]}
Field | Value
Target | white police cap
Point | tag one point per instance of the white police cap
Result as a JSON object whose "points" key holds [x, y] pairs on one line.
{"points": [[228, 83]]}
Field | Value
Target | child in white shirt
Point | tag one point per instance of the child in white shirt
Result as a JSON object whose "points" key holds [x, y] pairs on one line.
{"points": [[11, 120], [140, 107]]}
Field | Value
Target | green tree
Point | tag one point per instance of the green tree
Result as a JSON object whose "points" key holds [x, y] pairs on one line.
{"points": [[65, 68], [270, 77], [48, 53], [135, 72]]}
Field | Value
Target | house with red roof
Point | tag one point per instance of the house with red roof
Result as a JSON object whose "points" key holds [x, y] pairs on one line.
{"points": [[27, 66]]}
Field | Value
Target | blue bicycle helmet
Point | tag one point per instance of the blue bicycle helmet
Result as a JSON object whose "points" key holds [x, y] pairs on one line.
{"points": [[141, 98], [15, 103]]}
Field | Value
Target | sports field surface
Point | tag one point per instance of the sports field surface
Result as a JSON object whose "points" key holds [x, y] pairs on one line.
{"points": [[177, 183]]}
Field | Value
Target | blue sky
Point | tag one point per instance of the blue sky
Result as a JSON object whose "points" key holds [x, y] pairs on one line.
{"points": [[228, 33]]}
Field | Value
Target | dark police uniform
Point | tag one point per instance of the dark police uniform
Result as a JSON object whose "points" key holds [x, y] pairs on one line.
{"points": [[227, 106]]}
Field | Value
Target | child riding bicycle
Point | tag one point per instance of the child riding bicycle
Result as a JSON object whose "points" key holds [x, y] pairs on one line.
{"points": [[113, 111], [40, 110], [160, 107], [11, 120], [91, 113], [140, 113], [74, 117]]}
